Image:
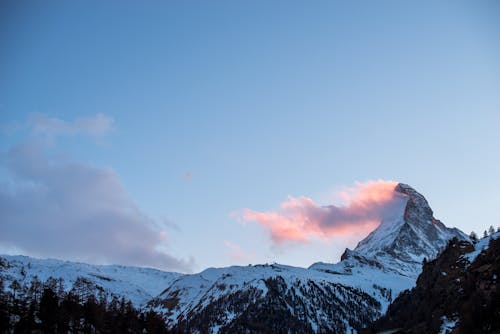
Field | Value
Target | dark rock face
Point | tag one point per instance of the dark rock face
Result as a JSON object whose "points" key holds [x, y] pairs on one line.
{"points": [[417, 208], [451, 288], [419, 213]]}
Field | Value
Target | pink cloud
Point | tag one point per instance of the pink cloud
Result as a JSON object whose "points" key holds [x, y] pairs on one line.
{"points": [[234, 252], [299, 219]]}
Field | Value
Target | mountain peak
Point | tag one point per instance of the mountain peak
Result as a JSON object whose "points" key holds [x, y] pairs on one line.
{"points": [[409, 235], [417, 208]]}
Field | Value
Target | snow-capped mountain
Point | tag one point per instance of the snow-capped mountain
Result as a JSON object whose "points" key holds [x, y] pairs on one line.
{"points": [[403, 241], [139, 285], [230, 299], [340, 298]]}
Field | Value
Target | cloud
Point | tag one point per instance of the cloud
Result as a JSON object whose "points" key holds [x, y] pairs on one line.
{"points": [[94, 126], [300, 219], [235, 253], [58, 208]]}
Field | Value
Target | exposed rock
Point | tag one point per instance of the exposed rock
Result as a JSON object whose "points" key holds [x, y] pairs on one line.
{"points": [[404, 241]]}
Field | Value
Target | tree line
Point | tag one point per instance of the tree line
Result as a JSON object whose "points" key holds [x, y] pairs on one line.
{"points": [[45, 307], [490, 231]]}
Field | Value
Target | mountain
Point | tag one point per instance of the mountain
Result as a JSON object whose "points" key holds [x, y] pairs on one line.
{"points": [[340, 298], [139, 285], [343, 297], [404, 240], [459, 292], [270, 298]]}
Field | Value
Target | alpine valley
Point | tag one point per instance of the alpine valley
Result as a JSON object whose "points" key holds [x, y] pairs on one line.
{"points": [[345, 297]]}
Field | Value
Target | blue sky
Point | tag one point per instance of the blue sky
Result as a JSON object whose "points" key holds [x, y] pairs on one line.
{"points": [[216, 107]]}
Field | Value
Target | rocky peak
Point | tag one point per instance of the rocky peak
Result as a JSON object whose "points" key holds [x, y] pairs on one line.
{"points": [[417, 208], [408, 236]]}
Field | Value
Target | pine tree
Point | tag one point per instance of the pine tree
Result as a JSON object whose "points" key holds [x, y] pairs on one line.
{"points": [[49, 306], [473, 236], [26, 323], [36, 290], [15, 287], [4, 313]]}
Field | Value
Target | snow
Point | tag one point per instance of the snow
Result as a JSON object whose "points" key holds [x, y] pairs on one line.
{"points": [[479, 247], [137, 284], [384, 235], [448, 325], [408, 235], [351, 272], [196, 291]]}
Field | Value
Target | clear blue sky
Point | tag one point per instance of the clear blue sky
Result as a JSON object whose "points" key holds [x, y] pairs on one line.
{"points": [[226, 105]]}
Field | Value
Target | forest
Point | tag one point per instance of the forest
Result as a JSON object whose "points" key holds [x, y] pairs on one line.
{"points": [[45, 307]]}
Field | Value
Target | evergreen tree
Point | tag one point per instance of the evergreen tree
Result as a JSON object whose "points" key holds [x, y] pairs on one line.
{"points": [[49, 307], [4, 314], [36, 289], [26, 323], [15, 287]]}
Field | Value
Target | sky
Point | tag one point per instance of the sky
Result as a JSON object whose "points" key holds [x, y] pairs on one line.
{"points": [[184, 135]]}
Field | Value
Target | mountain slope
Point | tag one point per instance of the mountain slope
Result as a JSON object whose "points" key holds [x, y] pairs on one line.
{"points": [[138, 285], [403, 241], [229, 299], [459, 292]]}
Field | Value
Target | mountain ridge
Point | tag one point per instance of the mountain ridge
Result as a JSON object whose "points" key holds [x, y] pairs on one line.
{"points": [[133, 283]]}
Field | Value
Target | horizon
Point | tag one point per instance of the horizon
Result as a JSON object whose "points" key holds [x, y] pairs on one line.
{"points": [[496, 232], [184, 136]]}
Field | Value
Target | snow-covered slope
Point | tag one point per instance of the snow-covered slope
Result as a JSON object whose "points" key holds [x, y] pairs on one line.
{"points": [[138, 285], [404, 240], [480, 246], [324, 299]]}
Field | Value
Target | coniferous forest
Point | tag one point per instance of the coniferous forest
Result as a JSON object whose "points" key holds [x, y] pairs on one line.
{"points": [[45, 307]]}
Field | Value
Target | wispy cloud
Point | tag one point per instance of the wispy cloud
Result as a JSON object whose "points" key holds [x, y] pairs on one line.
{"points": [[300, 219], [59, 208], [234, 252], [51, 127]]}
